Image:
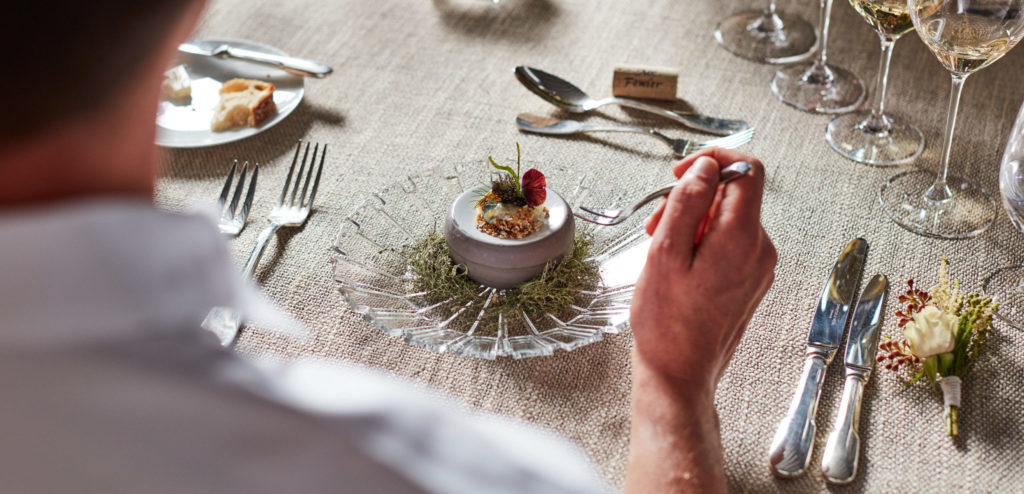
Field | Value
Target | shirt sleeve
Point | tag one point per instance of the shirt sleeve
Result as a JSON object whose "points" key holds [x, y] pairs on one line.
{"points": [[429, 439]]}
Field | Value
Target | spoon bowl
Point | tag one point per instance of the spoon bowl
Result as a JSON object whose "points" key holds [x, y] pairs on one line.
{"points": [[567, 96]]}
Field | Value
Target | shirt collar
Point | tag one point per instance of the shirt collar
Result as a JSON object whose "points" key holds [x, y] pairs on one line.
{"points": [[104, 269]]}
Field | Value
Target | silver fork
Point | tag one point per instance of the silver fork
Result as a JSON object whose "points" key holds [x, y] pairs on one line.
{"points": [[292, 210], [231, 220], [610, 217], [680, 147]]}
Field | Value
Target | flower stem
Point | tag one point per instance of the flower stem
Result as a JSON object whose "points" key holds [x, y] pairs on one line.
{"points": [[952, 422]]}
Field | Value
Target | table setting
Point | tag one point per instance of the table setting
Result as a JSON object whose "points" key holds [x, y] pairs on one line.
{"points": [[432, 109]]}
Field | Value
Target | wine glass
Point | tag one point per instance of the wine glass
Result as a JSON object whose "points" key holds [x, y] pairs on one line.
{"points": [[1007, 284], [819, 87], [966, 36], [872, 136], [768, 35]]}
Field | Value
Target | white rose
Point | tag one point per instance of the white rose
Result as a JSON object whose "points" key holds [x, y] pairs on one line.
{"points": [[931, 332]]}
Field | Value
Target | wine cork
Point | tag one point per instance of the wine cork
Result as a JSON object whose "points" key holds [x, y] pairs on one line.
{"points": [[641, 81]]}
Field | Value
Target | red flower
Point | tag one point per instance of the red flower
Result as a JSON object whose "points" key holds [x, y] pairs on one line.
{"points": [[534, 187]]}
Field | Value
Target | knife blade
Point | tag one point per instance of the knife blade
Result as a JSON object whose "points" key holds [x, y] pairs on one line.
{"points": [[294, 65], [790, 451], [842, 450]]}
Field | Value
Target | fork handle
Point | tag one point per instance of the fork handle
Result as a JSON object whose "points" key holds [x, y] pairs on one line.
{"points": [[711, 125], [622, 128], [257, 250]]}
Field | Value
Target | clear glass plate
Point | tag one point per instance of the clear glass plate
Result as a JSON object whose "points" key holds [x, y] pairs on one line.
{"points": [[376, 282]]}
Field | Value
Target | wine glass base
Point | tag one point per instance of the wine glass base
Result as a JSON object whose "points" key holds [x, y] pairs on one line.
{"points": [[754, 35], [853, 136], [970, 211], [805, 88], [1006, 285]]}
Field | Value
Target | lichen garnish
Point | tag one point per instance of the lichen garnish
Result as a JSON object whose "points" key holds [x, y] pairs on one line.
{"points": [[433, 273]]}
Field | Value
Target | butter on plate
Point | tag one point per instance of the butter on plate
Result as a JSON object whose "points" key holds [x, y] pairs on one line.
{"points": [[177, 85]]}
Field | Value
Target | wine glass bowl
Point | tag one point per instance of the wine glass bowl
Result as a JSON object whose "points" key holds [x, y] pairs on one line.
{"points": [[1007, 284], [872, 136], [966, 36], [818, 87], [767, 36]]}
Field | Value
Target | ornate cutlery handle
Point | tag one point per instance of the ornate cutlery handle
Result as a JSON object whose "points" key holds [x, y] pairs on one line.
{"points": [[842, 451], [791, 448], [710, 125], [294, 65]]}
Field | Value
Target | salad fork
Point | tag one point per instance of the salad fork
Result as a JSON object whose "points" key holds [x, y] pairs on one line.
{"points": [[231, 220], [611, 217], [292, 210], [680, 147]]}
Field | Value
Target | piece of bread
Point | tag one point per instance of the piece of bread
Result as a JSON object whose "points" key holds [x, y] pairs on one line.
{"points": [[177, 87], [243, 102]]}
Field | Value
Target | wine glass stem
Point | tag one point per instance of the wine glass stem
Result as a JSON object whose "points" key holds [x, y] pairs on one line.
{"points": [[876, 122], [939, 191], [826, 13]]}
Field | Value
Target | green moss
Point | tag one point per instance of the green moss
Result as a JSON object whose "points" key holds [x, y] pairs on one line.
{"points": [[552, 292]]}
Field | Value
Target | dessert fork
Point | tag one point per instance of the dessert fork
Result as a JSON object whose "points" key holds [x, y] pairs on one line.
{"points": [[610, 217], [292, 210], [231, 220], [680, 147]]}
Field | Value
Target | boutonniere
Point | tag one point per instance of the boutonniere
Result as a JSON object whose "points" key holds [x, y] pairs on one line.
{"points": [[943, 331]]}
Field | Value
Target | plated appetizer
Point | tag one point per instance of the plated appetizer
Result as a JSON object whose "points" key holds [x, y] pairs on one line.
{"points": [[514, 206]]}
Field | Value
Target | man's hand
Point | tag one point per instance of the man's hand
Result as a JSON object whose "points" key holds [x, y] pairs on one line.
{"points": [[694, 300], [709, 265]]}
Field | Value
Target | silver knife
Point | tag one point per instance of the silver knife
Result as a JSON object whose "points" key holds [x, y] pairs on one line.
{"points": [[842, 451], [291, 64], [791, 448]]}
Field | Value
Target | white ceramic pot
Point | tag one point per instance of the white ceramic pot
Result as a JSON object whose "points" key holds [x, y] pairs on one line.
{"points": [[506, 263]]}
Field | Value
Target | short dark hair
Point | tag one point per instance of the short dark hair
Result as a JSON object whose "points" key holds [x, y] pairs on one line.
{"points": [[66, 58]]}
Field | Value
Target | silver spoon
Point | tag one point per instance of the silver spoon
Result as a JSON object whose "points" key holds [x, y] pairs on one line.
{"points": [[563, 94], [680, 147]]}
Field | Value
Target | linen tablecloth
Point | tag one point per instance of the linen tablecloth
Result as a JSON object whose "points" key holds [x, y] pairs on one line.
{"points": [[421, 83]]}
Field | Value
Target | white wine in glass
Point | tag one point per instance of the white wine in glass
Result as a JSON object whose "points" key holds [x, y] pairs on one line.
{"points": [[767, 36], [872, 136], [966, 36]]}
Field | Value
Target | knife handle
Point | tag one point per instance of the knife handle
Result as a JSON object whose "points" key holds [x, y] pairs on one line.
{"points": [[291, 64], [791, 449], [842, 451]]}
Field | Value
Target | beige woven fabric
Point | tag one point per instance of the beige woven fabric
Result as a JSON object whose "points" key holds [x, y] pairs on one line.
{"points": [[419, 83]]}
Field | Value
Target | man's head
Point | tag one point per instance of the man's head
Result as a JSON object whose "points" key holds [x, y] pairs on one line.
{"points": [[80, 93], [65, 59]]}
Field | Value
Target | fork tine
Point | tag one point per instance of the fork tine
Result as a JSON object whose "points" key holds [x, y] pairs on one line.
{"points": [[249, 194], [227, 185], [238, 189], [298, 176], [287, 179], [309, 175], [597, 212], [319, 170]]}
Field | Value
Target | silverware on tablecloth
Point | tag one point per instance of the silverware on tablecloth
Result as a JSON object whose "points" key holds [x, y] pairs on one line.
{"points": [[610, 217], [563, 94], [292, 210], [537, 124], [303, 67], [842, 450], [232, 221], [791, 448]]}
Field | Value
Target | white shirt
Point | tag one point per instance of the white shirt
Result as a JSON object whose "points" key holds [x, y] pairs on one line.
{"points": [[107, 384]]}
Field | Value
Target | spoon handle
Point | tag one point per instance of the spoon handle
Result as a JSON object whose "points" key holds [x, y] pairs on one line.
{"points": [[711, 125]]}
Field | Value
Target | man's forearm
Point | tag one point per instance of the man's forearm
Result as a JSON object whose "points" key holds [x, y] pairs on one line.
{"points": [[674, 440]]}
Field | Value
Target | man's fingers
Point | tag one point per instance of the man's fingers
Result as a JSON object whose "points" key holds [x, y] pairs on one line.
{"points": [[652, 222], [685, 207], [724, 157], [740, 206]]}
